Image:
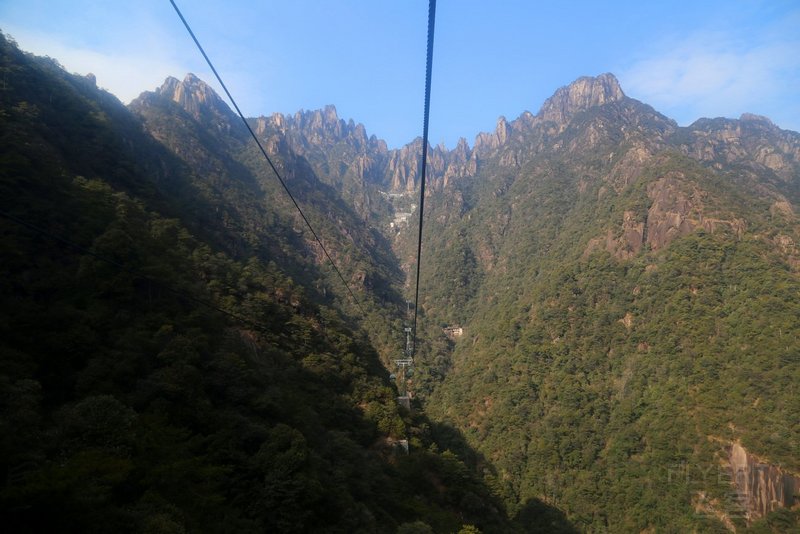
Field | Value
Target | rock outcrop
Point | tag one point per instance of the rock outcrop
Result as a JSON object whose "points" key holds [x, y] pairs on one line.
{"points": [[485, 141], [676, 209], [193, 95], [461, 162], [761, 488]]}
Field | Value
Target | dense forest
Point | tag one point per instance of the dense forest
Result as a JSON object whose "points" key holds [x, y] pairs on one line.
{"points": [[178, 355]]}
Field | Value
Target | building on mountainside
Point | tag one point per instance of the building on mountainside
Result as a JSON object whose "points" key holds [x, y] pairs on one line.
{"points": [[400, 217]]}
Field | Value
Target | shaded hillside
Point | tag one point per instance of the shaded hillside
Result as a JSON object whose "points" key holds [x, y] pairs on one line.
{"points": [[175, 356], [230, 172]]}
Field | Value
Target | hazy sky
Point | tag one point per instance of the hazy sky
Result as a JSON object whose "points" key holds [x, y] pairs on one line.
{"points": [[688, 59]]}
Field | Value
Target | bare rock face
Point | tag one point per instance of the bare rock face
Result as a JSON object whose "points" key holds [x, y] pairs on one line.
{"points": [[444, 166], [317, 134], [194, 95], [677, 209], [403, 167], [582, 94], [461, 163], [762, 488], [676, 212], [629, 167], [625, 246], [632, 234], [321, 129], [671, 213]]}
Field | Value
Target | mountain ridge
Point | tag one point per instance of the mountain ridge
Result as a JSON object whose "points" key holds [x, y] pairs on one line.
{"points": [[397, 171]]}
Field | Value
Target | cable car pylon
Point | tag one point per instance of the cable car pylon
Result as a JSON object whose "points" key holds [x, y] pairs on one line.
{"points": [[404, 365]]}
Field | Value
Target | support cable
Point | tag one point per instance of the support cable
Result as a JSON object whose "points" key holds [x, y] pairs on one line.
{"points": [[266, 156], [423, 165]]}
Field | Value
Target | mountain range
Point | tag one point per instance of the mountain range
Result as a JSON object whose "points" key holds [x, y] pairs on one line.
{"points": [[608, 336]]}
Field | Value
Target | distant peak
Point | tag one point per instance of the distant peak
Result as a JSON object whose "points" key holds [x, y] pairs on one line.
{"points": [[193, 94], [584, 93], [611, 83], [190, 80], [169, 85], [752, 117], [330, 113]]}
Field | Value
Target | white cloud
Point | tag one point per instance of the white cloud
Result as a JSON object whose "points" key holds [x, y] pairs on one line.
{"points": [[712, 75]]}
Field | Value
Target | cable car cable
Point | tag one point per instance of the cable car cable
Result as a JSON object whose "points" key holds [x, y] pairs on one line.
{"points": [[423, 165]]}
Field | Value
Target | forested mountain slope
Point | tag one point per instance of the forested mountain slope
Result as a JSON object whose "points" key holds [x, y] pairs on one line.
{"points": [[629, 294], [175, 355]]}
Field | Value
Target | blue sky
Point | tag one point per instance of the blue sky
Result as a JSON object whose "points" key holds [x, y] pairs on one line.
{"points": [[688, 59]]}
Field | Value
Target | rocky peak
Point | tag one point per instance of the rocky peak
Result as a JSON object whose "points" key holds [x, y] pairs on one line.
{"points": [[502, 130], [318, 120], [193, 94], [323, 127], [584, 93], [460, 162], [330, 114], [751, 117], [461, 152], [319, 129], [487, 141]]}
